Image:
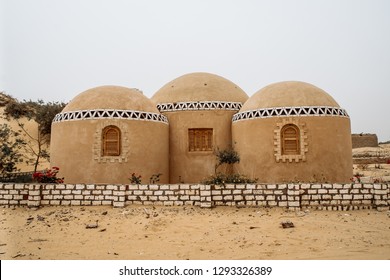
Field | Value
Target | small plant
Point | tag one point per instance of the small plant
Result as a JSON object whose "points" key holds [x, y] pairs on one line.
{"points": [[227, 156], [356, 178], [48, 176], [222, 179], [155, 178], [135, 179]]}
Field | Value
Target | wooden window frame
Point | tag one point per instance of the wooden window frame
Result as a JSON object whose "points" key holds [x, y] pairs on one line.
{"points": [[290, 142], [117, 142], [200, 139]]}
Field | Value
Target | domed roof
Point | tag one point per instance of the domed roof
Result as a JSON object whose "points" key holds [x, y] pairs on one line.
{"points": [[111, 97], [289, 94], [200, 87]]}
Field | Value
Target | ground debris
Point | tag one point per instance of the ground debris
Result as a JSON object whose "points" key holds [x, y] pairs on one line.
{"points": [[18, 255], [287, 224], [89, 226]]}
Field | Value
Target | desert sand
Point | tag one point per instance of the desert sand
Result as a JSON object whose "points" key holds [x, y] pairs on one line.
{"points": [[181, 233]]}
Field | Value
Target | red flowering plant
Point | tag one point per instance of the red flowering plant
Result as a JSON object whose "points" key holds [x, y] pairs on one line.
{"points": [[48, 176], [135, 179]]}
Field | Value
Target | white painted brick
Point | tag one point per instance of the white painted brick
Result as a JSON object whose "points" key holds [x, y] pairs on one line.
{"points": [[382, 192], [55, 202], [240, 187], [69, 197], [79, 197], [99, 197], [66, 192], [118, 204], [153, 187], [174, 187], [293, 203], [322, 191], [184, 187], [195, 197], [250, 187], [80, 187], [119, 193], [194, 187], [19, 186], [163, 198], [249, 197], [205, 193], [230, 186], [225, 192], [85, 202], [168, 203], [138, 192], [34, 193], [206, 205]]}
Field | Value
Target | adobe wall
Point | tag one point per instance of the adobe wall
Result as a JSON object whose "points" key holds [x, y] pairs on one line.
{"points": [[291, 196], [364, 140]]}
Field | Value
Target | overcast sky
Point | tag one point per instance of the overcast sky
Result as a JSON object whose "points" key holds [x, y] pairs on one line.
{"points": [[55, 49]]}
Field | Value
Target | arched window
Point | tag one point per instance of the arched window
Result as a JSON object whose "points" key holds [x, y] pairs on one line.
{"points": [[111, 141], [290, 140]]}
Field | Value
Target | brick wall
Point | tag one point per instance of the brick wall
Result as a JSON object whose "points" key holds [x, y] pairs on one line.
{"points": [[292, 196], [364, 140]]}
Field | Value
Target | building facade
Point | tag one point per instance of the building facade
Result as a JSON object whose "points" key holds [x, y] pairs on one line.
{"points": [[288, 131]]}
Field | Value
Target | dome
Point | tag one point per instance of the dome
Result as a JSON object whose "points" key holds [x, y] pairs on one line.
{"points": [[200, 87], [111, 97], [289, 94]]}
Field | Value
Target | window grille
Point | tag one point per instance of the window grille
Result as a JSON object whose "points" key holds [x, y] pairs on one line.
{"points": [[111, 141], [200, 139]]}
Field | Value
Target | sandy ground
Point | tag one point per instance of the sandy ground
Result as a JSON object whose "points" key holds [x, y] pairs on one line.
{"points": [[192, 233]]}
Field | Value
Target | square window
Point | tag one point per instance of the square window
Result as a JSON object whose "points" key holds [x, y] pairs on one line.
{"points": [[200, 139]]}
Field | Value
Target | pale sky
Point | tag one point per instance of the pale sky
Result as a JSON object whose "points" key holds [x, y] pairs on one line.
{"points": [[55, 49]]}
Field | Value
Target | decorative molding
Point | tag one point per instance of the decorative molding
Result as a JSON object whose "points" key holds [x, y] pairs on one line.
{"points": [[97, 153], [199, 105], [306, 111], [110, 114], [302, 141]]}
